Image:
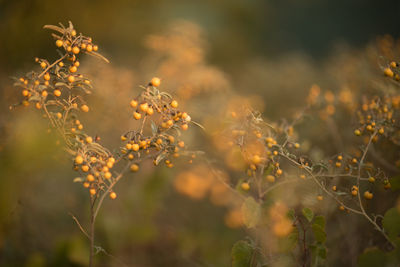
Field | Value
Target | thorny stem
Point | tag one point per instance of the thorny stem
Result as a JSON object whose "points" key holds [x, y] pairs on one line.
{"points": [[364, 213], [52, 65], [362, 210]]}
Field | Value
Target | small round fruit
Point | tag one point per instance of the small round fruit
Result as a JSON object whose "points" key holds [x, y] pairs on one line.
{"points": [[79, 159], [89, 139], [59, 43], [270, 178], [388, 72], [371, 179], [71, 78], [73, 69], [85, 108], [92, 191], [174, 104], [43, 65], [75, 50], [89, 48], [320, 198], [107, 175], [155, 82], [137, 115], [357, 132], [368, 195], [245, 186], [113, 195], [134, 167], [133, 103]]}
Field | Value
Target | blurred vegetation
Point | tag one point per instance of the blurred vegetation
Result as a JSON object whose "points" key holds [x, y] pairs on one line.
{"points": [[213, 55]]}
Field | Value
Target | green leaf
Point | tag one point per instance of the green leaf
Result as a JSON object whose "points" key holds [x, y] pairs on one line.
{"points": [[251, 211], [308, 213], [241, 254], [371, 258], [391, 223], [320, 220], [291, 214], [319, 233]]}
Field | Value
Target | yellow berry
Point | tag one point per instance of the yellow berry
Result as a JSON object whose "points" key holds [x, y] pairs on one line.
{"points": [[92, 191], [43, 65], [357, 132], [320, 198], [85, 168], [371, 179], [89, 139], [113, 195]]}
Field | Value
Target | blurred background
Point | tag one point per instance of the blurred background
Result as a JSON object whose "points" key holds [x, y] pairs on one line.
{"points": [[213, 55]]}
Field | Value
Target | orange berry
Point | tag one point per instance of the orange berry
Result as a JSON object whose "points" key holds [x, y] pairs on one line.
{"points": [[57, 92], [43, 64], [95, 48], [89, 139], [44, 93], [155, 82], [25, 92], [75, 50], [137, 115], [85, 168], [150, 111], [85, 108], [134, 167], [89, 48], [107, 175], [113, 195], [320, 198], [71, 78], [135, 147], [59, 43], [86, 185], [388, 72], [245, 186], [270, 178], [73, 69], [90, 178], [184, 127], [46, 76], [144, 107], [133, 103], [79, 159], [174, 104], [92, 191]]}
